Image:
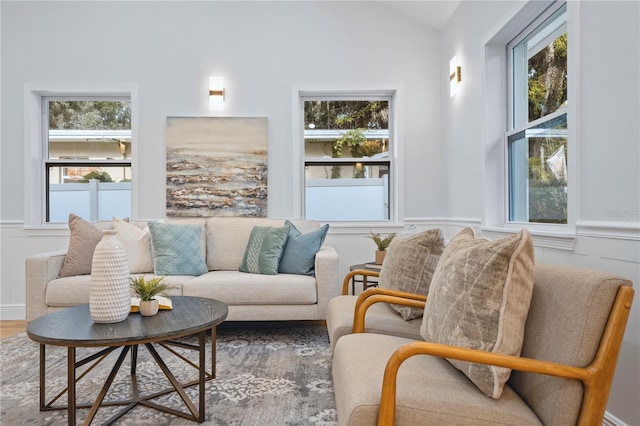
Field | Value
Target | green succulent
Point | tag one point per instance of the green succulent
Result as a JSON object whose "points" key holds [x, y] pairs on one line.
{"points": [[382, 242], [148, 289]]}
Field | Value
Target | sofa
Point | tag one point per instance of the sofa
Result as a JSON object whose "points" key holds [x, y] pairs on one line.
{"points": [[223, 243]]}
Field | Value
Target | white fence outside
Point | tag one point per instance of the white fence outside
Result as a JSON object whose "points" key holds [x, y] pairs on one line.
{"points": [[92, 201], [326, 200]]}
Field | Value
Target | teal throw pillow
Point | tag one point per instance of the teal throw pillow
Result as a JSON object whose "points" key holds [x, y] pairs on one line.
{"points": [[299, 255], [264, 250], [176, 249]]}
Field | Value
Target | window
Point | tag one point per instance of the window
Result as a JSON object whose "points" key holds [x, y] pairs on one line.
{"points": [[86, 157], [347, 157], [537, 135]]}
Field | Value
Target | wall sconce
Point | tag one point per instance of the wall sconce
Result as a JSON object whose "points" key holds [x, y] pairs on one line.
{"points": [[216, 93], [454, 76]]}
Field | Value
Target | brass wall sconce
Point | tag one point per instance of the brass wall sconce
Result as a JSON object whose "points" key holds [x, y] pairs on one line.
{"points": [[216, 93], [454, 76]]}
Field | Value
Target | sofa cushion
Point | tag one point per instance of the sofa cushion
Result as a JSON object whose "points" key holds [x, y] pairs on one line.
{"points": [[240, 288], [137, 243], [72, 291], [264, 249], [429, 391], [176, 249], [378, 319], [409, 265], [227, 239], [479, 298], [300, 250]]}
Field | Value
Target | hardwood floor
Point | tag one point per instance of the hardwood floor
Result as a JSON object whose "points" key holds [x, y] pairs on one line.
{"points": [[11, 327]]}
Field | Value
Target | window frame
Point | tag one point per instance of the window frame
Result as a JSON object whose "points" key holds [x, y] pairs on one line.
{"points": [[498, 125], [36, 143], [390, 95]]}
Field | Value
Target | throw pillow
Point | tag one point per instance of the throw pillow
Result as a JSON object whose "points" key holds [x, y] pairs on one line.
{"points": [[299, 256], [137, 242], [479, 299], [83, 239], [176, 249], [409, 265], [264, 249]]}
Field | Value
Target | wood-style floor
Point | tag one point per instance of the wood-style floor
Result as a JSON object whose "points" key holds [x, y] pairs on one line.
{"points": [[11, 327]]}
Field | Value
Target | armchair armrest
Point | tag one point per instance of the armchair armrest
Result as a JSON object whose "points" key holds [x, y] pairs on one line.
{"points": [[351, 274], [378, 295], [596, 377]]}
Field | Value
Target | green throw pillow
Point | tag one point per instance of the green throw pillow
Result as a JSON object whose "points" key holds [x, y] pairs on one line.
{"points": [[299, 256], [264, 250], [176, 249]]}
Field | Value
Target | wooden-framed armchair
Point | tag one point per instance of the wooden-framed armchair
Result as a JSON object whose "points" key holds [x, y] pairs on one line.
{"points": [[346, 310], [572, 339]]}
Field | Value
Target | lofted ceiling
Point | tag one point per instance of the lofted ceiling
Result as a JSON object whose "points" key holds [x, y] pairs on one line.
{"points": [[434, 13]]}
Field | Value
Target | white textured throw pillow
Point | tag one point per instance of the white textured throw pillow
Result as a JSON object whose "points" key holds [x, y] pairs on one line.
{"points": [[137, 242]]}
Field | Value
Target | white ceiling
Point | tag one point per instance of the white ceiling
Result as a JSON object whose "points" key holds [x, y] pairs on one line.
{"points": [[432, 13]]}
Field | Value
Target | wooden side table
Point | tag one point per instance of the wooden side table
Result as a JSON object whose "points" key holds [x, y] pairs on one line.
{"points": [[73, 328], [366, 281]]}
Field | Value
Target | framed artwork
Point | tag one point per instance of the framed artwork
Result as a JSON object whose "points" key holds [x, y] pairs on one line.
{"points": [[216, 166]]}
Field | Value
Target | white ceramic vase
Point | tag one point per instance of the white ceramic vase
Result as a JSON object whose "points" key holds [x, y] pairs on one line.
{"points": [[109, 297]]}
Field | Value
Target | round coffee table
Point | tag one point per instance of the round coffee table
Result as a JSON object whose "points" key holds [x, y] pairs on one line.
{"points": [[73, 328]]}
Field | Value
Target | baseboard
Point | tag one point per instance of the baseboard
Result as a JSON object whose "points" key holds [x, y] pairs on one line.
{"points": [[611, 420], [13, 312]]}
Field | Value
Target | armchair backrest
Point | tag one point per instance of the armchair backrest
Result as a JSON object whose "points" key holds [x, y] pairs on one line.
{"points": [[570, 310]]}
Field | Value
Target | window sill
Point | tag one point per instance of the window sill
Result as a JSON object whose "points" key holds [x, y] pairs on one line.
{"points": [[555, 240]]}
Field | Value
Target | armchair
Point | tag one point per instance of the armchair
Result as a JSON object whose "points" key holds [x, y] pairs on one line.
{"points": [[344, 311], [572, 339]]}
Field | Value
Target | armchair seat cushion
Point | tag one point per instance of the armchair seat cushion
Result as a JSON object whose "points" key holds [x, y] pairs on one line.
{"points": [[379, 319], [430, 390]]}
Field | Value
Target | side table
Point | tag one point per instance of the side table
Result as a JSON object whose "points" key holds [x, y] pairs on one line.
{"points": [[366, 281]]}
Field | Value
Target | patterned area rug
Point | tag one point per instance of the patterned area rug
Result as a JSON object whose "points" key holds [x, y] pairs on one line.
{"points": [[267, 374]]}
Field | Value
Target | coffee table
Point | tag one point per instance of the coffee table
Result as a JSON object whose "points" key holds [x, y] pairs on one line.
{"points": [[73, 328]]}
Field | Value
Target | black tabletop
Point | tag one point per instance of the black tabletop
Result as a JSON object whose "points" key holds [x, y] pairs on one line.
{"points": [[74, 326]]}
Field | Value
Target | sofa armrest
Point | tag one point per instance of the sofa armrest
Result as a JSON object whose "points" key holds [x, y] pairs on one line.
{"points": [[40, 269], [326, 266]]}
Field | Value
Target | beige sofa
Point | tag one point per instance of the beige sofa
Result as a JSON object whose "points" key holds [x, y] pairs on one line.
{"points": [[251, 297]]}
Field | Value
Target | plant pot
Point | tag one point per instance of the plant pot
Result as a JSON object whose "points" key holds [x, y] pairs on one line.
{"points": [[380, 254], [148, 308]]}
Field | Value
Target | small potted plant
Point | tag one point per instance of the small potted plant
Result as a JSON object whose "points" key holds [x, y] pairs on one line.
{"points": [[382, 243], [147, 290]]}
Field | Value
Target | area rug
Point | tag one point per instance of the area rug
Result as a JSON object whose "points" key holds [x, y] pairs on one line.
{"points": [[274, 374]]}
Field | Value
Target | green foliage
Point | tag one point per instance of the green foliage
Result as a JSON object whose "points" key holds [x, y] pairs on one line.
{"points": [[548, 79], [353, 138], [148, 289], [95, 115], [94, 174], [347, 114], [382, 242]]}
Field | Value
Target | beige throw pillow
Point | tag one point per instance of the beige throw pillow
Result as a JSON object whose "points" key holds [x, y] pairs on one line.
{"points": [[409, 265], [137, 242], [479, 298], [83, 239]]}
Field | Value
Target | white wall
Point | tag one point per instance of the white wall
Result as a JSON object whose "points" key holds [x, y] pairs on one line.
{"points": [[609, 151], [264, 49], [169, 49]]}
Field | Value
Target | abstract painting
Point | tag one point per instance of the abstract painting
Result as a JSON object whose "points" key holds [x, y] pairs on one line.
{"points": [[216, 166]]}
